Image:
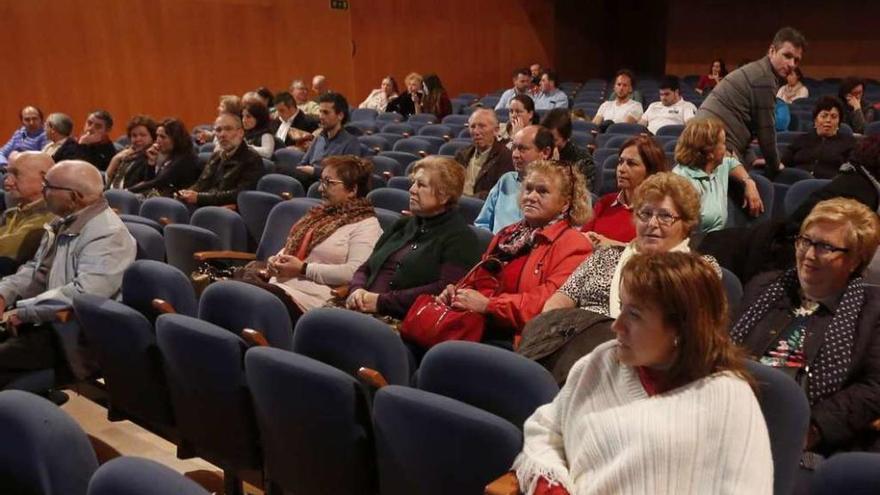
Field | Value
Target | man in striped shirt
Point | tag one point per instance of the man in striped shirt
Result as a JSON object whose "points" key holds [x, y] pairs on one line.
{"points": [[29, 137]]}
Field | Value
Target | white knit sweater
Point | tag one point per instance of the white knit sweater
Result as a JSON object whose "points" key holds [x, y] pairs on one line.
{"points": [[604, 434]]}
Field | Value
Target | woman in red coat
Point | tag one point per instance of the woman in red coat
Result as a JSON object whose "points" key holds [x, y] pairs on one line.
{"points": [[538, 253]]}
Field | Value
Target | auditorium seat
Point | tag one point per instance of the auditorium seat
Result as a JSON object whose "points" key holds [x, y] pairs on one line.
{"points": [[137, 476], [283, 186], [314, 421], [43, 450]]}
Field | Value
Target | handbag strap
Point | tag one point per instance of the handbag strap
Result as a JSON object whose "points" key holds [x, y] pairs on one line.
{"points": [[466, 279]]}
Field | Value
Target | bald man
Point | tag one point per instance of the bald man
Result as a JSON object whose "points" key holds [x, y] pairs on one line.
{"points": [[22, 223], [84, 251], [487, 159], [502, 204]]}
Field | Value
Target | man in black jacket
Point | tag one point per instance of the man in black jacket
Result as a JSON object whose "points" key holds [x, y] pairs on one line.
{"points": [[233, 168], [290, 118]]}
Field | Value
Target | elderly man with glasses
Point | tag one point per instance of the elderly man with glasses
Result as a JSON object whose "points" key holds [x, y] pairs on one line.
{"points": [[84, 251]]}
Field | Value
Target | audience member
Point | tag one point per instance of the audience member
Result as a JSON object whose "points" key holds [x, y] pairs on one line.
{"points": [[793, 88], [537, 253], [436, 100], [666, 211], [27, 212], [745, 100], [94, 145], [378, 99], [502, 206], [670, 110], [521, 113], [319, 87], [662, 391], [172, 161], [85, 251], [251, 98], [266, 96], [60, 144], [702, 158], [558, 121], [327, 245], [856, 111], [536, 70], [623, 109], [231, 104], [233, 167], [522, 83], [255, 119], [292, 126], [333, 139], [486, 160], [29, 137], [819, 323], [410, 102], [422, 253], [612, 222], [549, 97], [822, 150], [707, 82], [129, 166], [301, 96]]}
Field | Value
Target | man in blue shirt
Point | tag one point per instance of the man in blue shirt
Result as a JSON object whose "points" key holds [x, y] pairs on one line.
{"points": [[522, 83], [549, 97], [333, 140], [29, 137], [502, 204]]}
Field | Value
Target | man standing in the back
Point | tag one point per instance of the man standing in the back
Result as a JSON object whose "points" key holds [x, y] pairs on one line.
{"points": [[745, 100]]}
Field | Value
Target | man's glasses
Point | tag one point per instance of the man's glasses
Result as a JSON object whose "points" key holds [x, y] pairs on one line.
{"points": [[663, 217], [47, 186], [822, 249]]}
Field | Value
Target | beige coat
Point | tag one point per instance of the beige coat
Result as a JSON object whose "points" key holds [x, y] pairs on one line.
{"points": [[332, 263]]}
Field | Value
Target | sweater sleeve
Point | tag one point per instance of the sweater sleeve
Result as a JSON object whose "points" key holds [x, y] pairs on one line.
{"points": [[543, 455], [360, 245], [845, 415], [518, 308], [266, 147]]}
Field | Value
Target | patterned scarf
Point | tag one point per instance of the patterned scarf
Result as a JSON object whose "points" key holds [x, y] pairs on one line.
{"points": [[517, 240], [322, 221], [835, 356]]}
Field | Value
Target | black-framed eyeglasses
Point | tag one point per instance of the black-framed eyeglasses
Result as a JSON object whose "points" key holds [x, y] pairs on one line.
{"points": [[663, 217], [327, 182], [803, 243], [47, 186]]}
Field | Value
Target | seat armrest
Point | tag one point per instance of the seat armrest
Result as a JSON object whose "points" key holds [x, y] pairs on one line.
{"points": [[163, 306], [224, 255], [507, 484], [372, 377], [254, 338]]}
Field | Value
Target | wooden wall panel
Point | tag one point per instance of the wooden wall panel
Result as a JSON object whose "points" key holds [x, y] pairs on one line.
{"points": [[162, 57], [472, 45], [843, 39]]}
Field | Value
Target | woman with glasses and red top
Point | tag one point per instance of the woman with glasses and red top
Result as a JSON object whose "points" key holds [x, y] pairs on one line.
{"points": [[819, 323]]}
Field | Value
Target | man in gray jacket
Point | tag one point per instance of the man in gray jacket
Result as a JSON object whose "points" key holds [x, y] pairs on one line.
{"points": [[745, 100], [85, 250]]}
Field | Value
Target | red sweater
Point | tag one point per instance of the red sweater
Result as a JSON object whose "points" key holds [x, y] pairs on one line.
{"points": [[611, 219]]}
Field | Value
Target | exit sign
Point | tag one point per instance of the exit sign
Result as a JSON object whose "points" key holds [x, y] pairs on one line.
{"points": [[339, 4]]}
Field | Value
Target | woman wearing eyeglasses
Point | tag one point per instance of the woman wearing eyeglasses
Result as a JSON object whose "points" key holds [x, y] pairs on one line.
{"points": [[701, 157], [328, 244], [665, 210], [819, 323]]}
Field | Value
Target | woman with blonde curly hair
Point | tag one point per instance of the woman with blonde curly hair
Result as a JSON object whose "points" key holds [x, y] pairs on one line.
{"points": [[701, 157], [537, 253], [665, 210]]}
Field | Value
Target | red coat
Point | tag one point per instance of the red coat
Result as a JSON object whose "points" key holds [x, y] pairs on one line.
{"points": [[558, 250]]}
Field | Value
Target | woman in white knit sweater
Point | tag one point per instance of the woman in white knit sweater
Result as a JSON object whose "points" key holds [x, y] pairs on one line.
{"points": [[666, 408]]}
